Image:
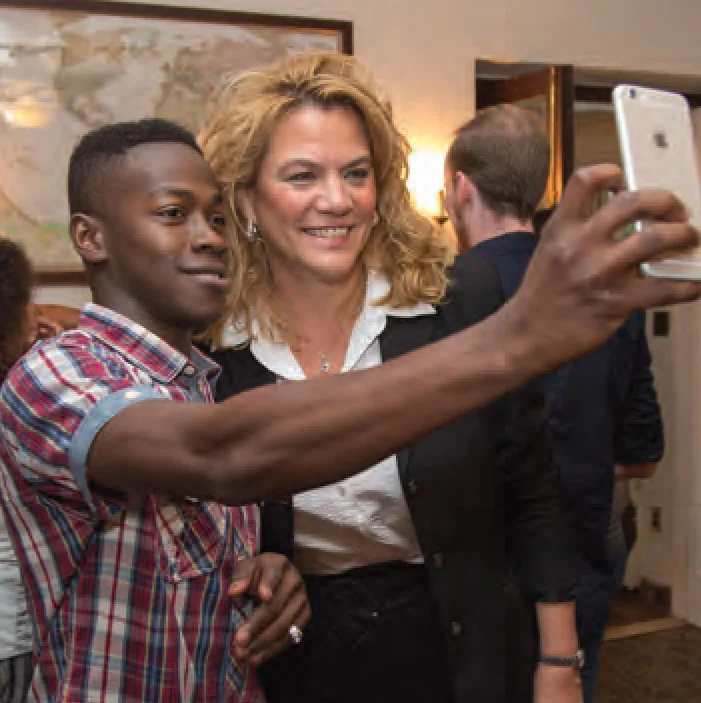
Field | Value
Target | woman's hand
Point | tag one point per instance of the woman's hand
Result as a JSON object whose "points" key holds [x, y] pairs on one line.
{"points": [[279, 587]]}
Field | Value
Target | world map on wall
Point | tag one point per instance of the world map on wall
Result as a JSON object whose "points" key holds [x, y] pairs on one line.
{"points": [[65, 73]]}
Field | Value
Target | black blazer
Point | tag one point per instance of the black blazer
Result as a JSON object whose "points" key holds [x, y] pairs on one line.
{"points": [[484, 498]]}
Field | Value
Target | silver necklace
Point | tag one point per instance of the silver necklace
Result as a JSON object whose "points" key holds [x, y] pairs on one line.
{"points": [[325, 366]]}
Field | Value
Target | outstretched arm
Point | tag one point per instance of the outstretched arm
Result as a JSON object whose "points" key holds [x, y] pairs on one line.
{"points": [[580, 287]]}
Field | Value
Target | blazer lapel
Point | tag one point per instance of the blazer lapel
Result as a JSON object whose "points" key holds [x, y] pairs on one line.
{"points": [[242, 372], [402, 335], [254, 374]]}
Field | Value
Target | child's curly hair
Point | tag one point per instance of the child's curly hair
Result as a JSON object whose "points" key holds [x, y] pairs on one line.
{"points": [[15, 293]]}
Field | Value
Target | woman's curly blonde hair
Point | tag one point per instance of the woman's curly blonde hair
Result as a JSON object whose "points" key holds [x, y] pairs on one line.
{"points": [[405, 246]]}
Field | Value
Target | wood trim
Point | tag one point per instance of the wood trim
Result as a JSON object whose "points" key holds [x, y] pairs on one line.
{"points": [[485, 93], [645, 627], [592, 94], [488, 93], [602, 94], [561, 127], [191, 14], [565, 95], [528, 85], [60, 278]]}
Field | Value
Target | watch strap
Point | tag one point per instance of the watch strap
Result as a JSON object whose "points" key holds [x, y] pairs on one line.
{"points": [[574, 662]]}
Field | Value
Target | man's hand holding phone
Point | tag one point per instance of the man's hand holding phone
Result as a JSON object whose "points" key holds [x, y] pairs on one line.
{"points": [[583, 282]]}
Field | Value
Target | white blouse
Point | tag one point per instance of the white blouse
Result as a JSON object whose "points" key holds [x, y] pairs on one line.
{"points": [[363, 519]]}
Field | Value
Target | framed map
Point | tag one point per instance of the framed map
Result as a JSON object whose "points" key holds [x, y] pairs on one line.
{"points": [[67, 67]]}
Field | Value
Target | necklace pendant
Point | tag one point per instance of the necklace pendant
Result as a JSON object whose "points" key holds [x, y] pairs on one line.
{"points": [[325, 366]]}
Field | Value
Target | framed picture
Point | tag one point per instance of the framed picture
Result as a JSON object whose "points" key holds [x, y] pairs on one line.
{"points": [[68, 66]]}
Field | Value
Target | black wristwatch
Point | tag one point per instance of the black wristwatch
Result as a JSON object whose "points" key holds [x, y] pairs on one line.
{"points": [[575, 662]]}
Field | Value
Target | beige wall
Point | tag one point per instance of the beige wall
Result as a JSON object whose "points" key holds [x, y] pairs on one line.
{"points": [[424, 51]]}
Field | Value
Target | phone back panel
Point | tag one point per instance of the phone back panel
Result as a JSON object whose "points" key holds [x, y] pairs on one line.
{"points": [[659, 151]]}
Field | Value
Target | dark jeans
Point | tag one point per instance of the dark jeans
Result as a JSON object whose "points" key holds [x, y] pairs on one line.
{"points": [[373, 638], [591, 670], [621, 538], [594, 596]]}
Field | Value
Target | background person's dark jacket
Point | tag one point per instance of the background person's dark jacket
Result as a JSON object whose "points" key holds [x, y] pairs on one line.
{"points": [[602, 410]]}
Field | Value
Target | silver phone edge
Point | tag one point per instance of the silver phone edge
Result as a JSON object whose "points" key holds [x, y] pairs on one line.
{"points": [[669, 269]]}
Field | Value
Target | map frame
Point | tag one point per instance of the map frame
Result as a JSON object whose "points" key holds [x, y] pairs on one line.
{"points": [[340, 30]]}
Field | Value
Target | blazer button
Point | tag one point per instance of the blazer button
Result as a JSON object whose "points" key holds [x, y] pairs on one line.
{"points": [[456, 628], [438, 560], [413, 487]]}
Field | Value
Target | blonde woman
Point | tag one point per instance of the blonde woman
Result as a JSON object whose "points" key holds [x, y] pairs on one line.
{"points": [[408, 565]]}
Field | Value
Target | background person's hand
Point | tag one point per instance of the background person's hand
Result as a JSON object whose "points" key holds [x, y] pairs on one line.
{"points": [[47, 328], [582, 284], [279, 587], [54, 319]]}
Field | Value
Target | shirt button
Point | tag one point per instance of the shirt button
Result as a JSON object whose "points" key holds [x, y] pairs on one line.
{"points": [[438, 560], [456, 628], [413, 487], [189, 370]]}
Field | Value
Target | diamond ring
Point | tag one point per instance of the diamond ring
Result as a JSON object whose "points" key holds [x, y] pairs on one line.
{"points": [[296, 634]]}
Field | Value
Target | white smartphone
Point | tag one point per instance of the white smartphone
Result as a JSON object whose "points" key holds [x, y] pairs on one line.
{"points": [[656, 137]]}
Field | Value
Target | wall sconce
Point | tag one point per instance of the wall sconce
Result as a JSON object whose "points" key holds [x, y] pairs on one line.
{"points": [[23, 116], [425, 183], [25, 104], [442, 216]]}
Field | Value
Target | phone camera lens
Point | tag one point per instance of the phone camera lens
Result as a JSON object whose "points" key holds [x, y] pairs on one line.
{"points": [[632, 93]]}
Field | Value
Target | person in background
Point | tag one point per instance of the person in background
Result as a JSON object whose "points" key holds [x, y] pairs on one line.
{"points": [[18, 330], [603, 409], [623, 529], [22, 323]]}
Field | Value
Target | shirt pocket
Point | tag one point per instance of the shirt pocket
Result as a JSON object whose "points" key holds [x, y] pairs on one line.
{"points": [[191, 537]]}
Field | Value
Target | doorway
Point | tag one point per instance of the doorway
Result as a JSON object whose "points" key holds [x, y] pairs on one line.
{"points": [[663, 579]]}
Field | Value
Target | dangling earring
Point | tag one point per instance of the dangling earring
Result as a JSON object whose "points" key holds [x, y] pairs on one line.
{"points": [[375, 218], [252, 231]]}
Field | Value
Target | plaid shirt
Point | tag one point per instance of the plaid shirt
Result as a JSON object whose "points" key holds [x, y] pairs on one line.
{"points": [[128, 593]]}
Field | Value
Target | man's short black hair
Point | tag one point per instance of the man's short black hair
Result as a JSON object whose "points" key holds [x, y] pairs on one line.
{"points": [[99, 150], [15, 293]]}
